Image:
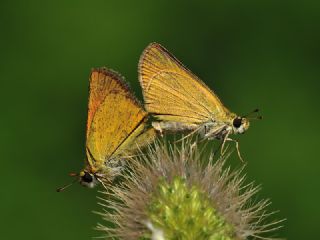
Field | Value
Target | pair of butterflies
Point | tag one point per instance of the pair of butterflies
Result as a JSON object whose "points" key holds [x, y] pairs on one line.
{"points": [[177, 99]]}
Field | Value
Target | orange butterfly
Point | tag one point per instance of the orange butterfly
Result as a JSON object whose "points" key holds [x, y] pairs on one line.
{"points": [[116, 127], [180, 101]]}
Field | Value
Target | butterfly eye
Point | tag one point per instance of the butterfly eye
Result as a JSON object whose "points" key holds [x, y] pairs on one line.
{"points": [[237, 122], [87, 177]]}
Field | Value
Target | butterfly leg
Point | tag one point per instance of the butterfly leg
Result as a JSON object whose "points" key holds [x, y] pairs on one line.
{"points": [[188, 135], [225, 139], [237, 147]]}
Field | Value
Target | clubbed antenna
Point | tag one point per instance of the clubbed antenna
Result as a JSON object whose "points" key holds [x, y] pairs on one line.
{"points": [[249, 115]]}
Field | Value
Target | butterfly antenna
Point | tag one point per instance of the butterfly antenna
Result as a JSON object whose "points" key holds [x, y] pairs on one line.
{"points": [[252, 112], [255, 118], [69, 184]]}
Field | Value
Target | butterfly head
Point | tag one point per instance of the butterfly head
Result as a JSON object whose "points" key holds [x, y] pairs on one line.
{"points": [[85, 178], [88, 179], [240, 124]]}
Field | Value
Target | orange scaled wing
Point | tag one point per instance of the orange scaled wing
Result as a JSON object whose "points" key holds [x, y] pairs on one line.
{"points": [[116, 120], [172, 92]]}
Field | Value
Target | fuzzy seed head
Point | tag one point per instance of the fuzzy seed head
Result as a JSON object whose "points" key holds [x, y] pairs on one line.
{"points": [[173, 192], [175, 206]]}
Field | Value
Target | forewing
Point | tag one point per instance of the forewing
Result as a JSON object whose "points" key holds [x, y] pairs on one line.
{"points": [[102, 82], [172, 92], [116, 120]]}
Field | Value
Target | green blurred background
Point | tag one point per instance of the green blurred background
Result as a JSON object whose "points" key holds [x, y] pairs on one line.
{"points": [[252, 53]]}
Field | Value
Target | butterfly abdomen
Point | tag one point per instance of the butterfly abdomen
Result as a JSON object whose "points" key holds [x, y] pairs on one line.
{"points": [[173, 126]]}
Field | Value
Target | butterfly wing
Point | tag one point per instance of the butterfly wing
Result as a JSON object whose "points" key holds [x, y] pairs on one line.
{"points": [[141, 139], [172, 92], [116, 120]]}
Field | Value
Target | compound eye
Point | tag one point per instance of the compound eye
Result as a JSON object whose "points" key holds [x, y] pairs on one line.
{"points": [[87, 177], [237, 122]]}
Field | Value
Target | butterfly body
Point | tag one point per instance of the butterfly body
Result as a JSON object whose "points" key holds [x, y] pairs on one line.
{"points": [[212, 129]]}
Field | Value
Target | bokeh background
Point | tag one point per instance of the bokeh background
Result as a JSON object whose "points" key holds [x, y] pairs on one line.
{"points": [[252, 53]]}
